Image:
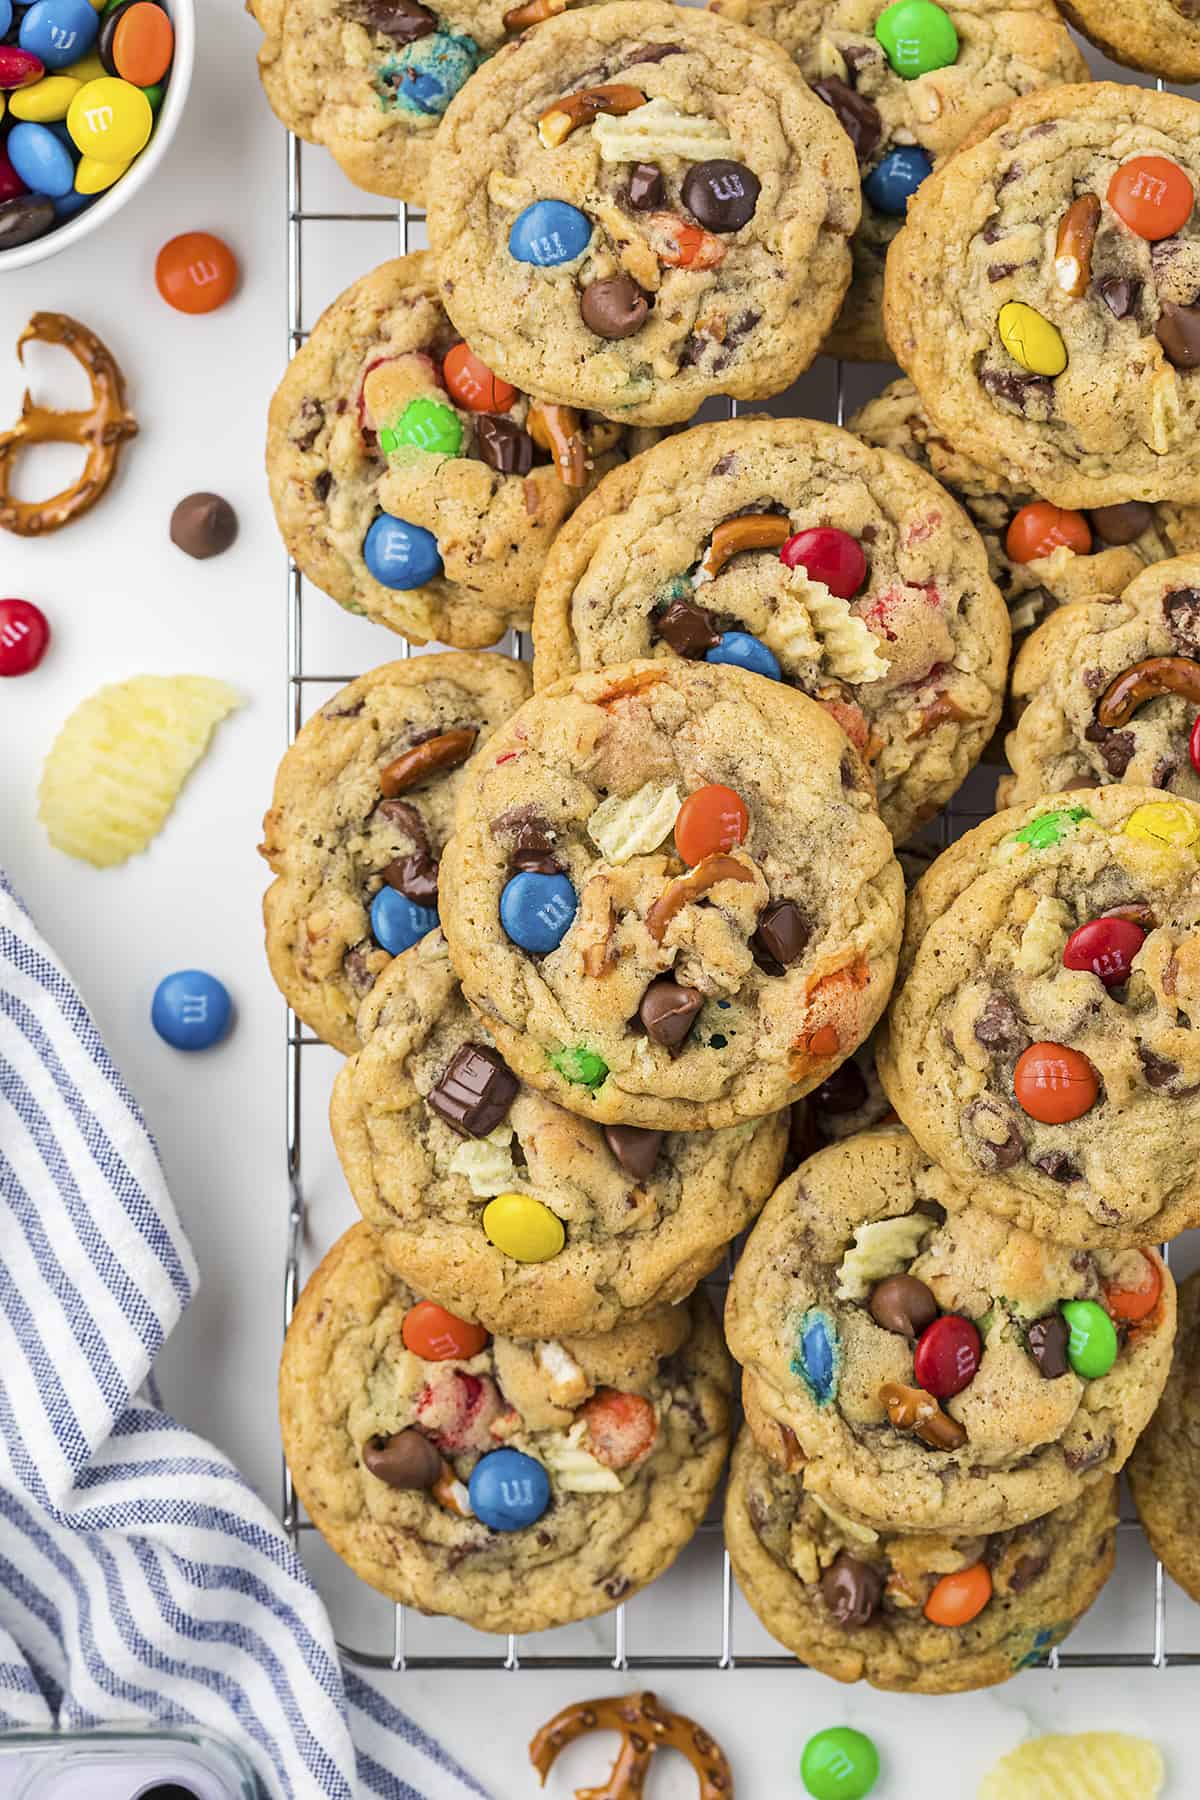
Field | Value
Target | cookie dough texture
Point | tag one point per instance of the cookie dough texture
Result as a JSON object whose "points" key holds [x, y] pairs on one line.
{"points": [[376, 349], [919, 689], [1005, 48], [1164, 1470], [982, 978], [347, 1378], [1045, 1575], [1032, 1443], [1120, 422], [631, 1243], [1063, 671], [745, 327], [814, 839], [330, 832], [1161, 36], [896, 420]]}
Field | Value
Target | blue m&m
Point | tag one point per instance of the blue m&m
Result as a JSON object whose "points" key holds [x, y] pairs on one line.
{"points": [[818, 1355], [536, 910], [400, 555], [549, 232], [891, 185], [743, 651], [41, 159], [427, 74], [60, 32], [191, 1010], [6, 16], [508, 1490], [397, 923]]}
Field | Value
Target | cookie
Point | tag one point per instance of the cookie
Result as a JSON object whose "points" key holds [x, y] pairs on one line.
{"points": [[1109, 691], [669, 895], [931, 1366], [917, 1614], [1040, 1041], [1161, 36], [1040, 556], [516, 1486], [1164, 1470], [497, 1203], [788, 548], [907, 94], [1064, 351], [363, 804], [638, 206], [408, 482]]}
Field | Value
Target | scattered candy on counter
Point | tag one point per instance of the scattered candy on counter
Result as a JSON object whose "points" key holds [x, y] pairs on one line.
{"points": [[508, 1490], [523, 1228], [839, 1764], [196, 272], [100, 429], [24, 637], [436, 1335], [644, 1727], [536, 910], [400, 555], [1055, 1084], [397, 923], [191, 1010], [203, 525], [896, 177], [1090, 1762]]}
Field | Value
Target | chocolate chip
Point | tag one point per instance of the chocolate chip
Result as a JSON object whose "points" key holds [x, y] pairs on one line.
{"points": [[532, 850], [614, 307], [668, 1011], [407, 1459], [1163, 1075], [721, 194], [1048, 1339], [842, 1092], [1165, 770], [203, 525], [474, 1090], [636, 1150], [1116, 748], [1058, 1166], [851, 1591], [416, 877], [343, 712], [780, 937], [999, 1027], [1181, 610], [858, 118], [650, 53], [503, 446], [686, 628], [646, 187], [321, 486], [404, 815], [1020, 391], [404, 21], [1089, 1456], [1120, 293], [1001, 271], [358, 972], [1122, 523], [990, 1151], [1026, 1572], [902, 1304], [1178, 331]]}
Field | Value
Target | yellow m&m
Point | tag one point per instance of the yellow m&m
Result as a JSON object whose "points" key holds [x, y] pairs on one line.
{"points": [[1165, 824], [523, 1228], [46, 101], [110, 120], [92, 176], [1031, 340]]}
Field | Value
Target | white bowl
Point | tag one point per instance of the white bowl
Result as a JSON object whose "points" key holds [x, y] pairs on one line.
{"points": [[183, 18]]}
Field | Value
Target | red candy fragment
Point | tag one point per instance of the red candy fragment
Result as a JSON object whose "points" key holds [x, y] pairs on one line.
{"points": [[1194, 745], [1105, 946], [829, 556], [1055, 1084], [11, 185], [621, 1428], [947, 1356], [24, 635], [19, 68], [458, 1410]]}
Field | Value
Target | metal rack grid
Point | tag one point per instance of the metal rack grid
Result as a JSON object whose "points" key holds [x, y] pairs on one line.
{"points": [[958, 818]]}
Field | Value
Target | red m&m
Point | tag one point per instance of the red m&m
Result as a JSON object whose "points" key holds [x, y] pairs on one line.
{"points": [[829, 556], [24, 635], [1055, 1084], [947, 1356], [711, 820], [472, 383], [1039, 529], [1106, 947], [1152, 195]]}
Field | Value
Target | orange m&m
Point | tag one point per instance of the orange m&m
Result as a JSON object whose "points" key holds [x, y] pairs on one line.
{"points": [[436, 1335], [1139, 1301], [1039, 529], [960, 1597], [472, 383], [143, 44], [1152, 195], [621, 1428], [1055, 1084], [196, 272], [711, 820]]}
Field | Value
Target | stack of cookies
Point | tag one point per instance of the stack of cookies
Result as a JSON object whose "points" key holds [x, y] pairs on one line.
{"points": [[613, 943]]}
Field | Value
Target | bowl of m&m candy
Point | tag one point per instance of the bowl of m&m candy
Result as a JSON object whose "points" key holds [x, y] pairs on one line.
{"points": [[91, 93]]}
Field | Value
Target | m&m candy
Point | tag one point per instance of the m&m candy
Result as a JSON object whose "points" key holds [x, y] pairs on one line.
{"points": [[947, 1356], [1134, 1297], [471, 383], [110, 120], [839, 1764], [400, 555], [1105, 947], [93, 176], [11, 185], [1163, 823], [191, 1010], [41, 159], [895, 179], [1055, 1084], [741, 650], [829, 556], [1039, 529], [1092, 1346], [818, 1358], [711, 820], [523, 1228], [426, 425], [426, 74], [47, 101], [548, 233], [19, 68], [536, 910], [1151, 195], [397, 923], [436, 1335], [137, 42], [59, 32], [1031, 340], [960, 1596], [195, 272], [917, 37], [24, 636], [508, 1490]]}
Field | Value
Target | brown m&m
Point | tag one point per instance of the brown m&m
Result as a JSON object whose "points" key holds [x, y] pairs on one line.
{"points": [[203, 525], [721, 194], [474, 1091]]}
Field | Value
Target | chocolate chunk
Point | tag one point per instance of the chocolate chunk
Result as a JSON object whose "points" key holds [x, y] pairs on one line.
{"points": [[416, 877], [851, 1591], [1088, 1456], [343, 712], [990, 1151], [503, 446], [310, 417], [650, 53], [1058, 1166], [358, 973], [1163, 1075], [474, 1090], [856, 115], [668, 1011], [1165, 770], [407, 1459], [322, 483], [721, 194], [203, 525], [902, 1304], [999, 1027], [1048, 1339], [404, 815], [646, 188], [726, 464], [1181, 610], [636, 1150], [688, 629], [847, 772], [780, 937], [614, 307], [1122, 523], [1120, 293], [1116, 748], [1178, 331], [404, 21], [532, 850], [842, 1092], [1026, 1572], [1020, 391], [1002, 271]]}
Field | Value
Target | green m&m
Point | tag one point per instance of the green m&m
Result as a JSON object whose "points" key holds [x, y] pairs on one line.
{"points": [[426, 425], [839, 1764], [1092, 1347], [1051, 828], [579, 1065], [917, 36]]}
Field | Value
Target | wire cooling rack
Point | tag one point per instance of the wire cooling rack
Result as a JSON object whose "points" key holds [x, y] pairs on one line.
{"points": [[611, 1643]]}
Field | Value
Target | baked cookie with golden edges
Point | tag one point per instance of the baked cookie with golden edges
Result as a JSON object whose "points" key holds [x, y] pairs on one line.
{"points": [[1160, 36], [606, 1449], [1164, 1470]]}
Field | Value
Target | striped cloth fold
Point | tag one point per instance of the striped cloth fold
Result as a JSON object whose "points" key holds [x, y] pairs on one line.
{"points": [[141, 1578]]}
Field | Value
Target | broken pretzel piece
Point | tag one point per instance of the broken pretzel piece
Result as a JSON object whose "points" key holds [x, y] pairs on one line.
{"points": [[644, 1728], [557, 123]]}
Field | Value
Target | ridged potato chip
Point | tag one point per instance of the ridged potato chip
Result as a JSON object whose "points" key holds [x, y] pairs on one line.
{"points": [[1085, 1765], [116, 768]]}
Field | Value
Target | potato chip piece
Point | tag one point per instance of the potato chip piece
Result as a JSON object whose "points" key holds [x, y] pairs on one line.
{"points": [[1083, 1765], [116, 767]]}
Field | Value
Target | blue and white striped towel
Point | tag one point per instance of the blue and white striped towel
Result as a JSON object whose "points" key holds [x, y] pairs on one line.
{"points": [[141, 1578]]}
